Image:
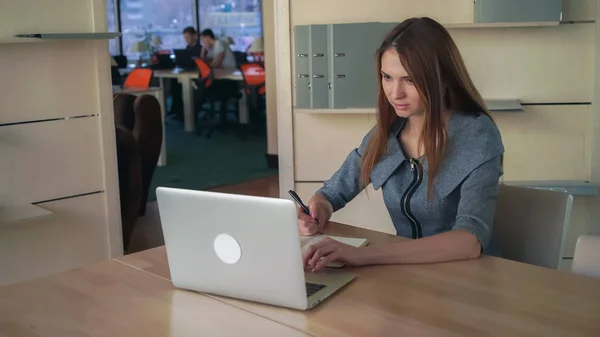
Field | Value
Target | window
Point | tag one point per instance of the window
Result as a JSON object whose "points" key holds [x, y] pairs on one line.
{"points": [[143, 20], [239, 19], [111, 15]]}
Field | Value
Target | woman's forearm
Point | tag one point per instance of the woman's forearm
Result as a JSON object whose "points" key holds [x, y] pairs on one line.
{"points": [[448, 246]]}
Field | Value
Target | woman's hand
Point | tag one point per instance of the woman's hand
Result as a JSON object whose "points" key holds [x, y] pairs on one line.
{"points": [[320, 210], [318, 255]]}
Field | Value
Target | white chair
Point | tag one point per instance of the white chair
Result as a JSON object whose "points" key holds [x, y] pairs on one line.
{"points": [[530, 224], [586, 260]]}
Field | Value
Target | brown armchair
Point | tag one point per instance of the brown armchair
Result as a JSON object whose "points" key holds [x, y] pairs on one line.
{"points": [[147, 130], [138, 125]]}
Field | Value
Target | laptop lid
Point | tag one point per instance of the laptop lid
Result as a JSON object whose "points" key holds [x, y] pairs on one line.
{"points": [[237, 246], [184, 59], [164, 61]]}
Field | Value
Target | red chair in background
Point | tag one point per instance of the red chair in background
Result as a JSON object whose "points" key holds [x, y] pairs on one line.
{"points": [[138, 78], [254, 85]]}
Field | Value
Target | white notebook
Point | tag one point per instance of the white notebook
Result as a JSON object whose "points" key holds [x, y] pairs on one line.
{"points": [[306, 241]]}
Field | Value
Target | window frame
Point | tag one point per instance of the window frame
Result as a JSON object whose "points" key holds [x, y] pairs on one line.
{"points": [[195, 15]]}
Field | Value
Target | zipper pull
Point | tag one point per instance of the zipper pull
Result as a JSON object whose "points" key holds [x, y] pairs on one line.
{"points": [[412, 164]]}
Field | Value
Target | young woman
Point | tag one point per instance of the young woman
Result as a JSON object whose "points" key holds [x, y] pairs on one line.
{"points": [[435, 152]]}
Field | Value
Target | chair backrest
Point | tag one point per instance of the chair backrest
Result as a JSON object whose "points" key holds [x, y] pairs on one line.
{"points": [[123, 109], [148, 132], [206, 74], [254, 78], [586, 260], [253, 73], [142, 116], [530, 224], [130, 180], [138, 78]]}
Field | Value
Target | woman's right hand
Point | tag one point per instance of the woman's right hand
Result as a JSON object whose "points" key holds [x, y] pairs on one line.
{"points": [[320, 209]]}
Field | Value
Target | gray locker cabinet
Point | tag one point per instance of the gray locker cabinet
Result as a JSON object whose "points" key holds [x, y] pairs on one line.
{"points": [[353, 49], [488, 11], [319, 71], [302, 65]]}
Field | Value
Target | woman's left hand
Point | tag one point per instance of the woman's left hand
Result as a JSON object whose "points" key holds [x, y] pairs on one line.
{"points": [[318, 255]]}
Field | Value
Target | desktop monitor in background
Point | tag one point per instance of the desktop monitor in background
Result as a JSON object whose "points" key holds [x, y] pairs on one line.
{"points": [[184, 59]]}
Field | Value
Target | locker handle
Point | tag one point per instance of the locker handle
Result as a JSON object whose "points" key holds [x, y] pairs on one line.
{"points": [[318, 55], [339, 54], [318, 76], [303, 76], [302, 55], [340, 76]]}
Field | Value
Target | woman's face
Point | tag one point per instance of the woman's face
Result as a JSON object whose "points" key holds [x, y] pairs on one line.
{"points": [[399, 87]]}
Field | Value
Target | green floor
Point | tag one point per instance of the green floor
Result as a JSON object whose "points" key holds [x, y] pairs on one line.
{"points": [[195, 162]]}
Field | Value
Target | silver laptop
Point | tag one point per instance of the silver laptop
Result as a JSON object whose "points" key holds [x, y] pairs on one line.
{"points": [[241, 247]]}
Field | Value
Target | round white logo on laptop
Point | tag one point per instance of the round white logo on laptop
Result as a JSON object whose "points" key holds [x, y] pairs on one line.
{"points": [[227, 248]]}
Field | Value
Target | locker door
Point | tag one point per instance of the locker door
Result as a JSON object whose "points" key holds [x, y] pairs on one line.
{"points": [[319, 67], [302, 66], [354, 73]]}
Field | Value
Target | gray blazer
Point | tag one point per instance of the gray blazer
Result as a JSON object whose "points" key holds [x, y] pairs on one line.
{"points": [[464, 192]]}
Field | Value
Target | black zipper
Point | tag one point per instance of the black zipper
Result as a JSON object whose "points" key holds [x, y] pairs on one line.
{"points": [[417, 170]]}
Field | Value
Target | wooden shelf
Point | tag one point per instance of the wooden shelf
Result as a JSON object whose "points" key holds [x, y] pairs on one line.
{"points": [[38, 37], [14, 214], [497, 105]]}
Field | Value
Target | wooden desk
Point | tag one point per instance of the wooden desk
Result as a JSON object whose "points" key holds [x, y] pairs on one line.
{"points": [[111, 299], [158, 93], [486, 296], [186, 77]]}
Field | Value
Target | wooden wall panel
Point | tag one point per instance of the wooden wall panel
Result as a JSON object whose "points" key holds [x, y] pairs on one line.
{"points": [[43, 16], [42, 161], [75, 235], [542, 143], [534, 65], [57, 82]]}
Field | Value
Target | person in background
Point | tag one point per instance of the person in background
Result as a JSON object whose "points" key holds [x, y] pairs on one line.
{"points": [[435, 152], [217, 53], [190, 35], [191, 39]]}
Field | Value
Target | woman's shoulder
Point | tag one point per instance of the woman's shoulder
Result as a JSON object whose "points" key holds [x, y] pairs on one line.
{"points": [[474, 139], [475, 132]]}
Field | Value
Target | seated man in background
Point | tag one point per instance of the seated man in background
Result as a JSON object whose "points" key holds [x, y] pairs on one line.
{"points": [[216, 52], [191, 39], [190, 35]]}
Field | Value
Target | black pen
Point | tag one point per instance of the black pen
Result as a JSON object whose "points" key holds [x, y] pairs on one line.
{"points": [[301, 204]]}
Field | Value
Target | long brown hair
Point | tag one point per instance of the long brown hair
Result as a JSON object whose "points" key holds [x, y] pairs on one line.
{"points": [[435, 65]]}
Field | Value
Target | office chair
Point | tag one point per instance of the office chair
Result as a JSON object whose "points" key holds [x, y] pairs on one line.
{"points": [[141, 115], [138, 78], [255, 87], [530, 224], [586, 260], [209, 90]]}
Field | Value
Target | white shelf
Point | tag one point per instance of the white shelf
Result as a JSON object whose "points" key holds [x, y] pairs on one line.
{"points": [[13, 214], [500, 24], [498, 105], [505, 105], [39, 37], [337, 111]]}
